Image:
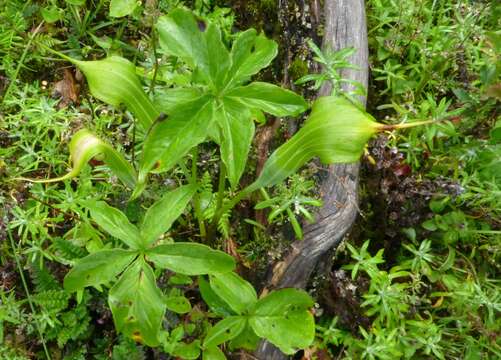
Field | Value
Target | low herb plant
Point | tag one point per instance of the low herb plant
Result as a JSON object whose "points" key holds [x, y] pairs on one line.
{"points": [[218, 103]]}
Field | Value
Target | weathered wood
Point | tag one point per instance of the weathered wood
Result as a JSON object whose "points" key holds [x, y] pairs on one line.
{"points": [[345, 26]]}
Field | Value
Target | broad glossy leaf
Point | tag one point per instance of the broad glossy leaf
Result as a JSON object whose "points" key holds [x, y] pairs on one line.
{"points": [[167, 100], [235, 291], [137, 304], [269, 98], [119, 8], [84, 146], [114, 222], [215, 303], [178, 304], [217, 55], [247, 339], [283, 318], [250, 53], [98, 268], [280, 301], [183, 36], [225, 330], [172, 138], [114, 81], [187, 351], [289, 332], [160, 216], [237, 129], [190, 259], [213, 353], [336, 132]]}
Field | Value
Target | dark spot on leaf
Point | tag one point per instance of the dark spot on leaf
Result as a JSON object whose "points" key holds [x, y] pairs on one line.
{"points": [[88, 276], [157, 164], [228, 331], [161, 117], [201, 25], [129, 303]]}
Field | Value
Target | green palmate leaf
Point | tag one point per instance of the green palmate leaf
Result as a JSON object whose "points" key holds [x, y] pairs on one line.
{"points": [[186, 351], [336, 132], [280, 301], [215, 303], [137, 304], [114, 81], [84, 146], [181, 35], [269, 98], [225, 330], [164, 212], [119, 8], [98, 268], [247, 339], [250, 53], [196, 43], [172, 138], [190, 259], [114, 222], [237, 129], [283, 318], [217, 55], [289, 332], [213, 353], [167, 100], [235, 291]]}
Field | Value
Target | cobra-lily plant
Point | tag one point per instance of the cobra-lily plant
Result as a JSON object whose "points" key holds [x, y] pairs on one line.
{"points": [[220, 104]]}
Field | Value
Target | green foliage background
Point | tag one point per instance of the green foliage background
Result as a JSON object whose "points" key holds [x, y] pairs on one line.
{"points": [[419, 276]]}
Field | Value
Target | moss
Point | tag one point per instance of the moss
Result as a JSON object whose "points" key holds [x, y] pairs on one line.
{"points": [[298, 68]]}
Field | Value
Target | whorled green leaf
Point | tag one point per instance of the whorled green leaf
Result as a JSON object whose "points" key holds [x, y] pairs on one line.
{"points": [[213, 353], [84, 146], [197, 43], [280, 301], [98, 268], [114, 81], [160, 216], [114, 222], [336, 132], [187, 351], [215, 303], [190, 259], [235, 291], [217, 55], [119, 8], [237, 129], [290, 332], [247, 339], [167, 100], [172, 138], [269, 98], [137, 304], [225, 330], [284, 319], [183, 36], [250, 53]]}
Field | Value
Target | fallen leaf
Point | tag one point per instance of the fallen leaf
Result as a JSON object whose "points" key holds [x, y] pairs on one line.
{"points": [[67, 89]]}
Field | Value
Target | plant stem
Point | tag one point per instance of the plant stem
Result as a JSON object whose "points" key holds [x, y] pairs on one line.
{"points": [[385, 127], [28, 295], [196, 198], [219, 203], [21, 62]]}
